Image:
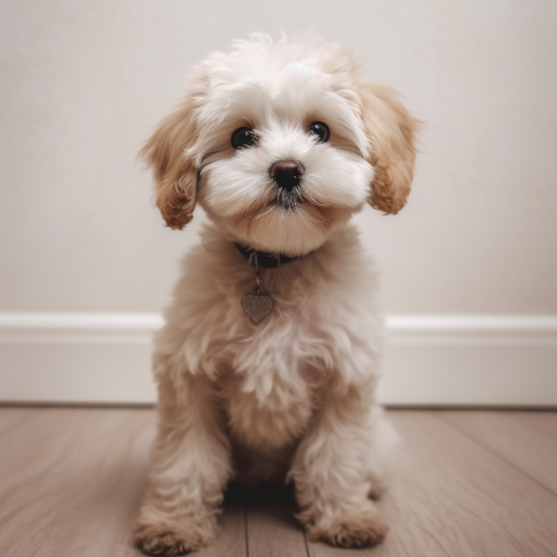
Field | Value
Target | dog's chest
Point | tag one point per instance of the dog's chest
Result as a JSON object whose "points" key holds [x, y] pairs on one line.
{"points": [[269, 391], [273, 421]]}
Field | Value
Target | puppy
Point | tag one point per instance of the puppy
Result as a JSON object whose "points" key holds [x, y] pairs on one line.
{"points": [[268, 363]]}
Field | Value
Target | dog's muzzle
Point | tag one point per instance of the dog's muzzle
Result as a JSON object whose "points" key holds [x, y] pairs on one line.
{"points": [[288, 177]]}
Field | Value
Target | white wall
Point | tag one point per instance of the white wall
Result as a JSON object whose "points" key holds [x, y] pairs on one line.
{"points": [[84, 83]]}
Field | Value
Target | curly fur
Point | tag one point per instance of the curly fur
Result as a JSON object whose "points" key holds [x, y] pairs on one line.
{"points": [[292, 397]]}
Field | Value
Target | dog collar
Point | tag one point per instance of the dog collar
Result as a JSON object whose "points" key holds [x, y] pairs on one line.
{"points": [[258, 304], [265, 260]]}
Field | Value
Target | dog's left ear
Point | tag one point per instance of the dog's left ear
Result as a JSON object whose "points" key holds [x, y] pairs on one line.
{"points": [[174, 170], [390, 130]]}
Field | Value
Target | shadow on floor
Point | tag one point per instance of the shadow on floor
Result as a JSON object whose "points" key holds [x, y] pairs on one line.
{"points": [[265, 493]]}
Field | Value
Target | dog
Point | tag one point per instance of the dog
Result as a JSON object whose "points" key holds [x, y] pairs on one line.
{"points": [[268, 362]]}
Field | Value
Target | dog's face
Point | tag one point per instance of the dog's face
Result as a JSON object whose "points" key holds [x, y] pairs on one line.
{"points": [[280, 144]]}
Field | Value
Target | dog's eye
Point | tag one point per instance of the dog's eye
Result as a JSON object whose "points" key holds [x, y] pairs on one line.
{"points": [[243, 137], [320, 130]]}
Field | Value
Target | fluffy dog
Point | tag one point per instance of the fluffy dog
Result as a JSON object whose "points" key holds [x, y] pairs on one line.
{"points": [[268, 363]]}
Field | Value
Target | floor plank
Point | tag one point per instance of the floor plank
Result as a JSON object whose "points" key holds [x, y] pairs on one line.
{"points": [[274, 532], [450, 497], [72, 481], [231, 538], [527, 439], [11, 417]]}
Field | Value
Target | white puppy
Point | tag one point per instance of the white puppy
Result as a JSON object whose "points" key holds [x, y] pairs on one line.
{"points": [[268, 363]]}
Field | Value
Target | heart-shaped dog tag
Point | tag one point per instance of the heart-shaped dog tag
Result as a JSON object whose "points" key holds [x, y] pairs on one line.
{"points": [[257, 307]]}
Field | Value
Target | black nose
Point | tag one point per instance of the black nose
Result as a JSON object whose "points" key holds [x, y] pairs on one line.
{"points": [[287, 174]]}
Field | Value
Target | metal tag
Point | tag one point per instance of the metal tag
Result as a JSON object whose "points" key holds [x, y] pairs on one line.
{"points": [[257, 307]]}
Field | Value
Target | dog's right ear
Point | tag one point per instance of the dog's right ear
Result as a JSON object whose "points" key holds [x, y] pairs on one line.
{"points": [[174, 170]]}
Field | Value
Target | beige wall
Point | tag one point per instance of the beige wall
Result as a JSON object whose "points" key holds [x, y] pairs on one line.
{"points": [[83, 83]]}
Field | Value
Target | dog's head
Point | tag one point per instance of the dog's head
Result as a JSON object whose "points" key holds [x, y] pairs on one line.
{"points": [[280, 143]]}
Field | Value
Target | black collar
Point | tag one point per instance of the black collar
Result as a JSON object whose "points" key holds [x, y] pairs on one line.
{"points": [[264, 259]]}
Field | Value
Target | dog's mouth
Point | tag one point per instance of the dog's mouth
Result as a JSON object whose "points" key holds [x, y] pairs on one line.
{"points": [[288, 198], [292, 201]]}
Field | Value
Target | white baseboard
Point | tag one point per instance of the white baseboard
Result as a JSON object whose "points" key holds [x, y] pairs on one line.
{"points": [[430, 360]]}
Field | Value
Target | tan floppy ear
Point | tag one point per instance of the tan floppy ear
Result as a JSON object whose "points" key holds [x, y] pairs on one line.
{"points": [[390, 130], [174, 172]]}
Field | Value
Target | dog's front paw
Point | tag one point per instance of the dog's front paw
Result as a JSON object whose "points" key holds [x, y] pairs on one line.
{"points": [[360, 528], [173, 538]]}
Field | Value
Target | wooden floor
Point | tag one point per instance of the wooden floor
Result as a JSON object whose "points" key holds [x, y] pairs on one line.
{"points": [[464, 484]]}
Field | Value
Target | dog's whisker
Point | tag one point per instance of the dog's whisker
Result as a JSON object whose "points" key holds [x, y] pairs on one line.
{"points": [[262, 214]]}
